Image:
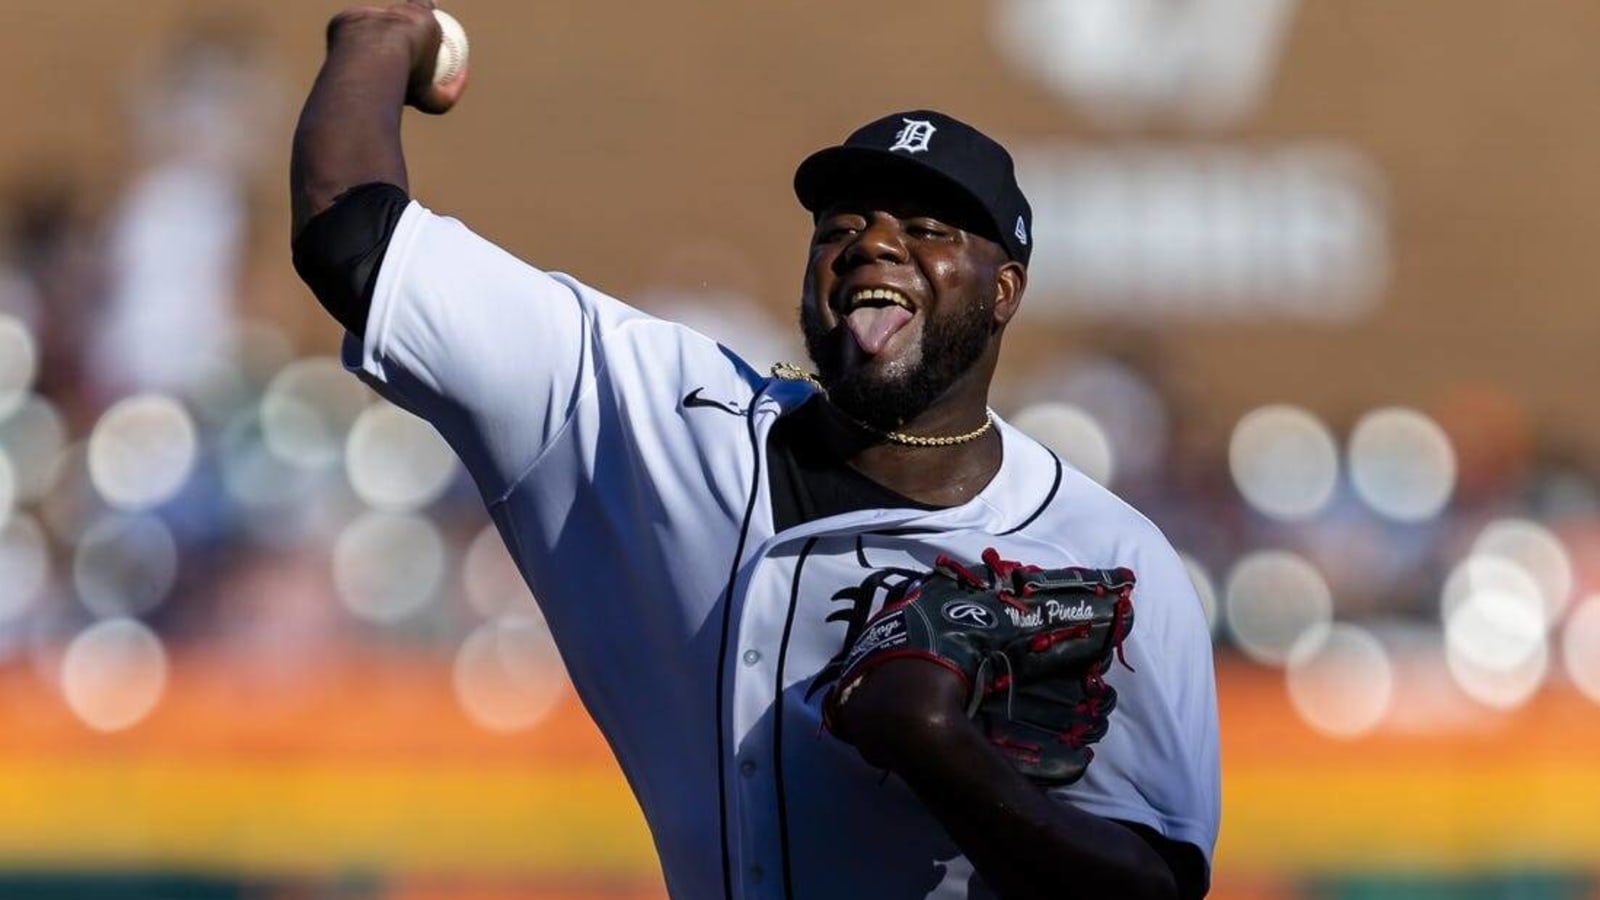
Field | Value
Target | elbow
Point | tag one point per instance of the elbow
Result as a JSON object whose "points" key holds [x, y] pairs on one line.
{"points": [[1159, 884], [1148, 877], [1139, 879], [1131, 871]]}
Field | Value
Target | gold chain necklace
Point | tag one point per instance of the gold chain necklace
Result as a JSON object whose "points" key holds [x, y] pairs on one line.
{"points": [[791, 372]]}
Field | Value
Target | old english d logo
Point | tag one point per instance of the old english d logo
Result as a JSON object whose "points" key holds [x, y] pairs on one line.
{"points": [[965, 612], [914, 137], [859, 602]]}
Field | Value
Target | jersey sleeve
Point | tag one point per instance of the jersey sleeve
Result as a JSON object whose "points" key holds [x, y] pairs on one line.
{"points": [[494, 353], [1159, 762]]}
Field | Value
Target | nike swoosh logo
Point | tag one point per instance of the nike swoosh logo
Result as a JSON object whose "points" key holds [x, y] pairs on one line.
{"points": [[693, 399]]}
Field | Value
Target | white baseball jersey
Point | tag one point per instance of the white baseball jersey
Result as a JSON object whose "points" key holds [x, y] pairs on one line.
{"points": [[694, 634]]}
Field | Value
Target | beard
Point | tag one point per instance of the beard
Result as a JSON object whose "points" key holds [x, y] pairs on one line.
{"points": [[885, 401]]}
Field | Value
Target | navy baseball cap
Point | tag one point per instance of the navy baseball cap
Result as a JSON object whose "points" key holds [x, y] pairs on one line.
{"points": [[931, 144]]}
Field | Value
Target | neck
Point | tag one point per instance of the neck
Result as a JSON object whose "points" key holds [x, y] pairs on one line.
{"points": [[941, 476]]}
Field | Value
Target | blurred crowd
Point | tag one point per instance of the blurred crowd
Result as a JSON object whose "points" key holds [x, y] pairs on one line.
{"points": [[176, 471]]}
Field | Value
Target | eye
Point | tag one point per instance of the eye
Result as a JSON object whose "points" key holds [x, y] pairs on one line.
{"points": [[927, 229], [835, 230]]}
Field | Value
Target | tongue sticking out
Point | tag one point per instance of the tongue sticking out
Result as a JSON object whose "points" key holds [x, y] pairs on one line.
{"points": [[874, 325]]}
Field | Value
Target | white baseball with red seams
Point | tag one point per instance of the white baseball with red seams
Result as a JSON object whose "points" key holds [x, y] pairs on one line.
{"points": [[452, 58]]}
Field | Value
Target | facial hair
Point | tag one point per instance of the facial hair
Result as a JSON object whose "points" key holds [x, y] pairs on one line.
{"points": [[950, 347]]}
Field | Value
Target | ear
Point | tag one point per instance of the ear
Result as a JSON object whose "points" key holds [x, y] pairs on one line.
{"points": [[1010, 281]]}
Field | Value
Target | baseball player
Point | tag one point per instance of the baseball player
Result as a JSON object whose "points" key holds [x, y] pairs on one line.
{"points": [[848, 633]]}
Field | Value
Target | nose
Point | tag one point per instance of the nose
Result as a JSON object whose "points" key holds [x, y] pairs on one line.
{"points": [[879, 241]]}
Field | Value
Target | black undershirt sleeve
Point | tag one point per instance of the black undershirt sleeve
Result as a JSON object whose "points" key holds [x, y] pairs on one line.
{"points": [[339, 252]]}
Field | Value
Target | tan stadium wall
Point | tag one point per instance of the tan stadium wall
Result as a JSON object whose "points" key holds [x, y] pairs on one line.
{"points": [[602, 139]]}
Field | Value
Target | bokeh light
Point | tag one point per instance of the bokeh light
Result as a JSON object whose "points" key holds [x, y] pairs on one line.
{"points": [[33, 436], [1123, 401], [336, 680], [1538, 552], [1495, 631], [142, 451], [307, 411], [396, 461], [508, 674], [72, 504], [1402, 464], [1073, 434], [1340, 680], [258, 479], [8, 487], [493, 584], [24, 566], [1580, 647], [389, 566], [1272, 599], [19, 361], [125, 565], [1284, 462], [1501, 687], [1204, 587], [1486, 575], [113, 674]]}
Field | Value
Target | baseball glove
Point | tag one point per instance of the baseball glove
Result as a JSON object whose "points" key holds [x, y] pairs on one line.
{"points": [[1032, 645]]}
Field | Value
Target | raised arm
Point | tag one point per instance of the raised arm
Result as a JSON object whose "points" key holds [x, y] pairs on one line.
{"points": [[379, 60], [347, 147]]}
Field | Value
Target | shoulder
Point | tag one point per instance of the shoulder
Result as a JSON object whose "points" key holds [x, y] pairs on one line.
{"points": [[1088, 524], [1097, 517], [1067, 506], [1108, 531], [646, 353]]}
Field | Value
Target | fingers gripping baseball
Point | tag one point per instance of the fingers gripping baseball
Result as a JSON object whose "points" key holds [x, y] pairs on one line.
{"points": [[433, 42]]}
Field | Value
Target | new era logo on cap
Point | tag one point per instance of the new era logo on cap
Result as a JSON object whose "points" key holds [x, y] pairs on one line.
{"points": [[947, 153]]}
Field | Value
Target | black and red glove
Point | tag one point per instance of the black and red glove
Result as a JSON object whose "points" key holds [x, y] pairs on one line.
{"points": [[1032, 646]]}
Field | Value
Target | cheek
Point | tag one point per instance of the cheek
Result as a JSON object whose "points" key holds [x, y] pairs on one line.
{"points": [[816, 283], [965, 291], [950, 279]]}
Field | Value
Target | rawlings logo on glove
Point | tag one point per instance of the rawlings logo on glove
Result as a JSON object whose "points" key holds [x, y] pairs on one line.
{"points": [[1032, 646]]}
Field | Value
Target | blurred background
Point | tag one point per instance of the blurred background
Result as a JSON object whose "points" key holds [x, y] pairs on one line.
{"points": [[1314, 288]]}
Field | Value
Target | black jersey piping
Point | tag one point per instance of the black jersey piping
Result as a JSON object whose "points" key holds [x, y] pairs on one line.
{"points": [[722, 649], [1054, 487], [783, 656], [777, 720]]}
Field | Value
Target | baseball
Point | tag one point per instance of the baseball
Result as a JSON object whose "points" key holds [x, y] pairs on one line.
{"points": [[452, 57]]}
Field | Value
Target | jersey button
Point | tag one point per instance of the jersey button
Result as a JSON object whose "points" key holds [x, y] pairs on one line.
{"points": [[756, 874], [751, 657], [747, 768]]}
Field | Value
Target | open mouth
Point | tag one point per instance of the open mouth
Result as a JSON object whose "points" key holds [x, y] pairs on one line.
{"points": [[875, 315]]}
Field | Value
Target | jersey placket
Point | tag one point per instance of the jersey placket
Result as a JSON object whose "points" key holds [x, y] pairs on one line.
{"points": [[765, 606], [759, 640]]}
